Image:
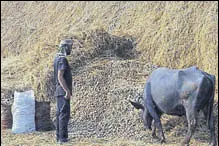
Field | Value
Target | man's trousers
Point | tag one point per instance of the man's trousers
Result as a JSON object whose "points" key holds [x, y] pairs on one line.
{"points": [[62, 118]]}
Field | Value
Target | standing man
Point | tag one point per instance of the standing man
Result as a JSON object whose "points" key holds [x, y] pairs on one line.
{"points": [[63, 81]]}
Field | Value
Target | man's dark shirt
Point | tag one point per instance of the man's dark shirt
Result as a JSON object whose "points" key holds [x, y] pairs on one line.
{"points": [[61, 63]]}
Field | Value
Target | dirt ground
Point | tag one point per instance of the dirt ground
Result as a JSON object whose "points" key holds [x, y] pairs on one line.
{"points": [[48, 138]]}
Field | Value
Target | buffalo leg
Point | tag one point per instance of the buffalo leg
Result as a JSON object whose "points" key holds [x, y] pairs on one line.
{"points": [[210, 124], [212, 130], [191, 115], [157, 122], [154, 130], [153, 112], [205, 112], [147, 119]]}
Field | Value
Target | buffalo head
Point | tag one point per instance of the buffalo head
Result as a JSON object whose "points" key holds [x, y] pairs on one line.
{"points": [[146, 117]]}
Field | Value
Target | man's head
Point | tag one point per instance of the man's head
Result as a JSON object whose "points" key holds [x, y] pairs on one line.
{"points": [[65, 47]]}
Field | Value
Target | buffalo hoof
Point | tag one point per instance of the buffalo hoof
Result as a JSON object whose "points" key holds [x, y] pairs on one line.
{"points": [[147, 128], [155, 136], [162, 141], [186, 142]]}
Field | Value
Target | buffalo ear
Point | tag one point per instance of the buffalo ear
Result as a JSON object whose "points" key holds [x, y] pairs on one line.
{"points": [[137, 105]]}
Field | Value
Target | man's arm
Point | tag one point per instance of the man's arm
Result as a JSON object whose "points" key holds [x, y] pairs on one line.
{"points": [[63, 83]]}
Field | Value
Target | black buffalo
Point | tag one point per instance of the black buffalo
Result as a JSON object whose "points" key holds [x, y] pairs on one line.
{"points": [[178, 92]]}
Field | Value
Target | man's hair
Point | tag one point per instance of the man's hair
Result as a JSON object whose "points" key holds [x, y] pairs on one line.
{"points": [[65, 44]]}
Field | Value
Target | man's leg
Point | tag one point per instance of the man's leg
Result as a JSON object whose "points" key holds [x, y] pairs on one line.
{"points": [[58, 106], [67, 118], [57, 126], [63, 119]]}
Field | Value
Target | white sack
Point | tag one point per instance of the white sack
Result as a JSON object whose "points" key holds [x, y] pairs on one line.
{"points": [[23, 112]]}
